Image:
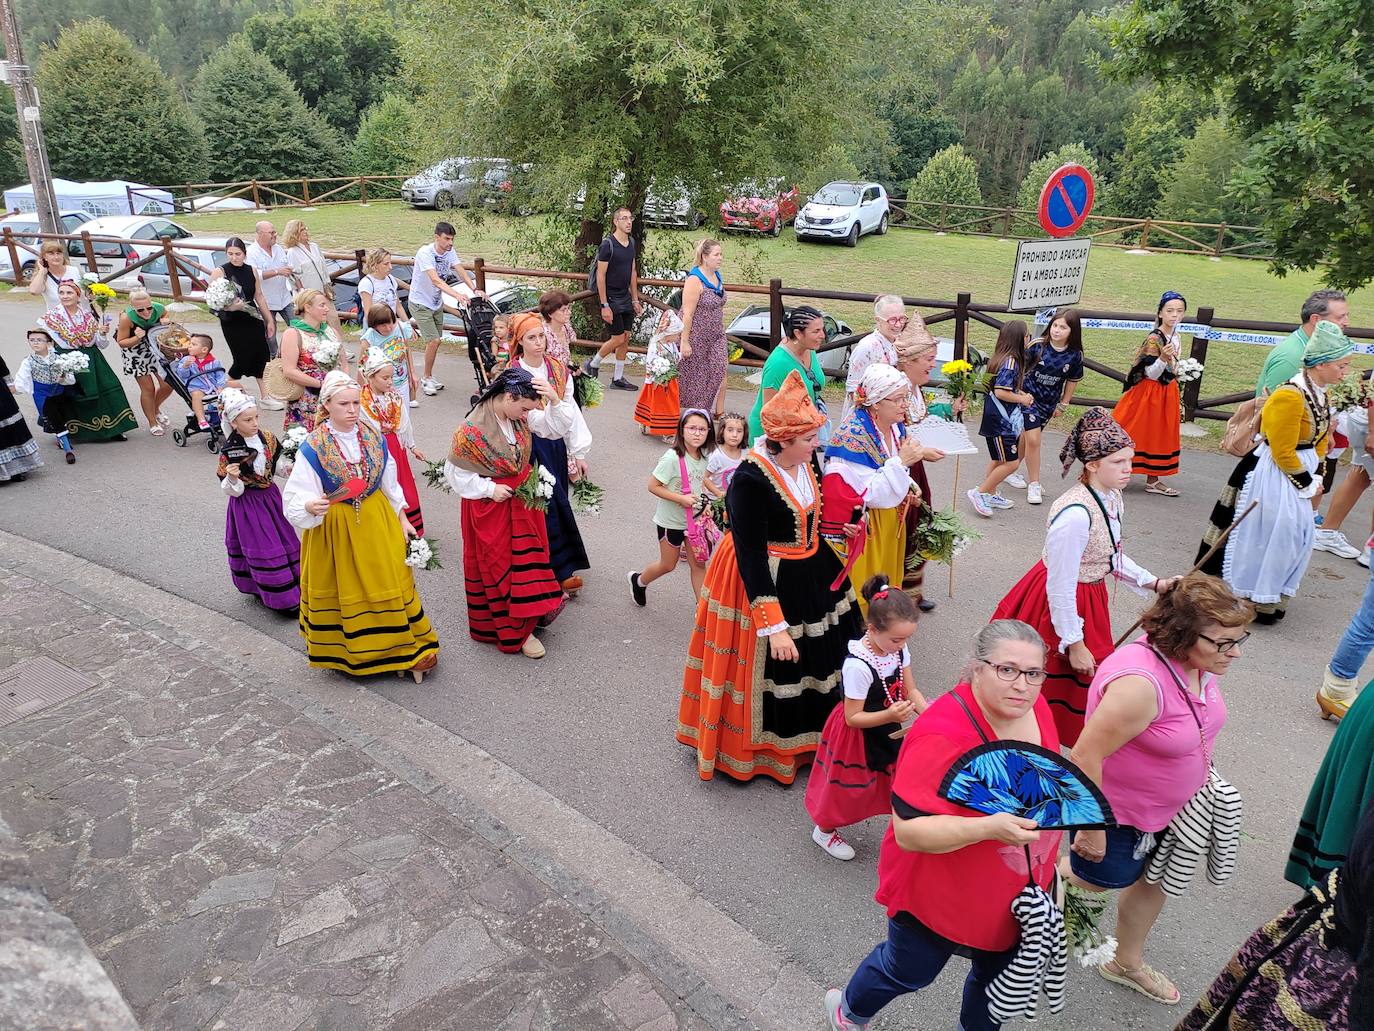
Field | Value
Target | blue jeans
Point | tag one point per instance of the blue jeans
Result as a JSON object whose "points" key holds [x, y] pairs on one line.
{"points": [[910, 959], [1358, 639]]}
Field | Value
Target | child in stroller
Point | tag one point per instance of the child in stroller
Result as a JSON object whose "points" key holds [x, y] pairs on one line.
{"points": [[197, 377]]}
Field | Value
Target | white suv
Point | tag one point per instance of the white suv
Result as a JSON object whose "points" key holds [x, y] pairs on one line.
{"points": [[843, 211]]}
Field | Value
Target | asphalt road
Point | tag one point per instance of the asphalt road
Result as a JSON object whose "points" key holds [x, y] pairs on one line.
{"points": [[593, 722]]}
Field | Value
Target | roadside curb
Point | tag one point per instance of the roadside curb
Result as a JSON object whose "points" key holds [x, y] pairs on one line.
{"points": [[728, 976]]}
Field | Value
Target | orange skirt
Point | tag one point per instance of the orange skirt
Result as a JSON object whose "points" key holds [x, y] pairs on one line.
{"points": [[1150, 414], [657, 408]]}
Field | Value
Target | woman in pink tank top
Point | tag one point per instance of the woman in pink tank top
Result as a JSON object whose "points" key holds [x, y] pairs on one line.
{"points": [[1154, 712]]}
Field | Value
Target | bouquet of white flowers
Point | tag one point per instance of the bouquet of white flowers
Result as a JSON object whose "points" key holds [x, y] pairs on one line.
{"points": [[423, 553], [661, 368], [223, 295], [537, 488], [326, 351], [293, 440], [1187, 369], [587, 496], [434, 476], [69, 363]]}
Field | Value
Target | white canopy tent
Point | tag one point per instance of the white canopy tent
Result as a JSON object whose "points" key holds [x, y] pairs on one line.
{"points": [[108, 198]]}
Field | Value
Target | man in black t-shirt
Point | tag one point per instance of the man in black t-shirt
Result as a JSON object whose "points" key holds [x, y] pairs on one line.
{"points": [[617, 284]]}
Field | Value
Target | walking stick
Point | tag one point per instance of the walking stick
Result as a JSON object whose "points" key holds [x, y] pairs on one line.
{"points": [[953, 501], [1202, 562]]}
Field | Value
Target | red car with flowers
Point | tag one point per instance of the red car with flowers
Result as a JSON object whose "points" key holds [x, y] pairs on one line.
{"points": [[760, 208]]}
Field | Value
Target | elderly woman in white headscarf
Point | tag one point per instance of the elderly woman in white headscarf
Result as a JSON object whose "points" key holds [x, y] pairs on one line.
{"points": [[264, 554], [867, 480], [360, 611]]}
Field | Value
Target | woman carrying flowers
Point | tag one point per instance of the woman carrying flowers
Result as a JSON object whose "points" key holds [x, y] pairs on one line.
{"points": [[359, 611], [490, 461], [308, 351], [96, 407], [1148, 409], [244, 316]]}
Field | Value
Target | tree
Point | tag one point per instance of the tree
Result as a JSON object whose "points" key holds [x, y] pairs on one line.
{"points": [[340, 60], [13, 169], [950, 177], [385, 144], [917, 136], [1162, 120], [110, 113], [1200, 185], [266, 130], [1299, 80], [1028, 196]]}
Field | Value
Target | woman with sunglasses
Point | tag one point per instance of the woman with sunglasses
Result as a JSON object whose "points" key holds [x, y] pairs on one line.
{"points": [[947, 875], [1154, 712], [136, 352]]}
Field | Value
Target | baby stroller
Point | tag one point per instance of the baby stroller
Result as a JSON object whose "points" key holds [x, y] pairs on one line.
{"points": [[478, 318], [170, 341]]}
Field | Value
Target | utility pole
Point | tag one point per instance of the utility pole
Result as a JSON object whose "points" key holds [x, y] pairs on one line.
{"points": [[20, 76]]}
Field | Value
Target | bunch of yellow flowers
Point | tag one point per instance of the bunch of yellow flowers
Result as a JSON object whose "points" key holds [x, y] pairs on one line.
{"points": [[960, 378]]}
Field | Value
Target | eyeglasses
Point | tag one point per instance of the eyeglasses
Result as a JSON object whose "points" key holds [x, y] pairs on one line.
{"points": [[1226, 644], [1034, 677], [899, 321], [144, 311]]}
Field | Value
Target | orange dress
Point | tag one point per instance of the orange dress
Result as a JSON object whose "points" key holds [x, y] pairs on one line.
{"points": [[1149, 412]]}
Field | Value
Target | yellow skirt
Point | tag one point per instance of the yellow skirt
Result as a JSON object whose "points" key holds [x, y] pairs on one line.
{"points": [[360, 612], [884, 551]]}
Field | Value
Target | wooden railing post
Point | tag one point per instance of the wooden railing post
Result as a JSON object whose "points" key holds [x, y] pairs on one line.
{"points": [[89, 248], [305, 190], [1221, 240], [479, 273], [774, 313], [1145, 236], [257, 201], [1198, 351], [944, 207], [362, 189], [14, 257], [961, 325], [169, 256], [1006, 222]]}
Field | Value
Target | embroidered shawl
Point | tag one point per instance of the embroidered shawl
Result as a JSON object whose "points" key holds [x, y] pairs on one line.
{"points": [[858, 441], [79, 330], [385, 411], [322, 451], [480, 447]]}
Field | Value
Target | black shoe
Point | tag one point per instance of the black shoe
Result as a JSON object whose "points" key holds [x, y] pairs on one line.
{"points": [[926, 605], [589, 370], [119, 436], [71, 458], [1266, 618], [1279, 614], [623, 384], [638, 590]]}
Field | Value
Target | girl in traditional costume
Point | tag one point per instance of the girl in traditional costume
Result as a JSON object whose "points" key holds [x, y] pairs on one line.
{"points": [[852, 777], [386, 410], [510, 585], [96, 408], [264, 554], [1266, 556], [1148, 409], [1064, 595], [565, 456], [49, 385], [360, 611], [867, 479], [776, 615]]}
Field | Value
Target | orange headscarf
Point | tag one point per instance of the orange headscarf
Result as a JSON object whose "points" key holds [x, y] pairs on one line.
{"points": [[791, 413], [520, 325]]}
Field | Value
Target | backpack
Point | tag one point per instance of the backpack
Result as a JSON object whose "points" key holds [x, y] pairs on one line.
{"points": [[1243, 427]]}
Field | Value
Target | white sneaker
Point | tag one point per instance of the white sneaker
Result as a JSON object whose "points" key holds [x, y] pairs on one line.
{"points": [[1334, 542], [1034, 494], [271, 404], [1016, 480], [834, 1012], [431, 386], [997, 501], [980, 504], [833, 844], [414, 403]]}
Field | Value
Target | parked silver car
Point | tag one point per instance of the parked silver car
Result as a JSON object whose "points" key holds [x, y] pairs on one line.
{"points": [[457, 182]]}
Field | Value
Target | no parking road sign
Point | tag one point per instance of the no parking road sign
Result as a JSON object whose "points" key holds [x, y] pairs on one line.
{"points": [[1066, 200]]}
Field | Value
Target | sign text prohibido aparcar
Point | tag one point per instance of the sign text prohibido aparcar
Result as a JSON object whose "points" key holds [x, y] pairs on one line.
{"points": [[1048, 273]]}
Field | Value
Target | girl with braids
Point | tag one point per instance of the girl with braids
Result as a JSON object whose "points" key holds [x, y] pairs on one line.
{"points": [[1148, 409], [852, 777], [1064, 595], [360, 613], [490, 459], [803, 330]]}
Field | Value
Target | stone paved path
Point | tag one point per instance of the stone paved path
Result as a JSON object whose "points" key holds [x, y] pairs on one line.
{"points": [[235, 864]]}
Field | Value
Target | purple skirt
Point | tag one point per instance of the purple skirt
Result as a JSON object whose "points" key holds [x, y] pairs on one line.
{"points": [[264, 553]]}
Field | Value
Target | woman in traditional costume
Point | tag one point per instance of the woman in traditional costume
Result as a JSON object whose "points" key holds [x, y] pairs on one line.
{"points": [[96, 407], [510, 585], [1064, 595], [776, 614], [1266, 556], [360, 611], [264, 553], [384, 409], [564, 456], [299, 344], [867, 480], [1148, 409]]}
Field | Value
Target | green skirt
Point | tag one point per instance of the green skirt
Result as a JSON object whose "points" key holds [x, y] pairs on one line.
{"points": [[96, 407], [1344, 784]]}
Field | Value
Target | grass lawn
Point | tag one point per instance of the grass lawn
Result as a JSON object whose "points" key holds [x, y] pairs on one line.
{"points": [[911, 262]]}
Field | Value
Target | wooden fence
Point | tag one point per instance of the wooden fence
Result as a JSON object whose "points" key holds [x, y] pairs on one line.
{"points": [[962, 312], [1214, 239], [273, 193]]}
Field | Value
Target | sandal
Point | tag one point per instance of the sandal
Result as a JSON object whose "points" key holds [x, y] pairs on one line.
{"points": [[156, 430], [1161, 490], [1158, 981]]}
